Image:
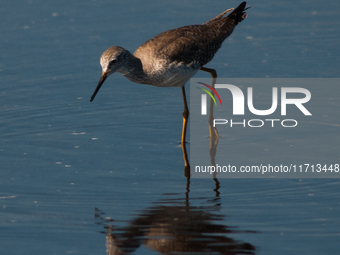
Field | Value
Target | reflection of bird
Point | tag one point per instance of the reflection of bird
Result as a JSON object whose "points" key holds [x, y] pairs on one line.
{"points": [[173, 226], [171, 58]]}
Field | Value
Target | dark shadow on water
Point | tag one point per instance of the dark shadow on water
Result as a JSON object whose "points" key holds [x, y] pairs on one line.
{"points": [[174, 226]]}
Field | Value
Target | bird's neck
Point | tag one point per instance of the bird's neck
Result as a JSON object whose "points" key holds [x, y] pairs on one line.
{"points": [[133, 70]]}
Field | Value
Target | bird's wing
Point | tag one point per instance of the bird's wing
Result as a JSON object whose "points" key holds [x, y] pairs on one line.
{"points": [[195, 44]]}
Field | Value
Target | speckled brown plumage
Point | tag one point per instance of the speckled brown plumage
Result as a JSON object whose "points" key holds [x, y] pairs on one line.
{"points": [[195, 44]]}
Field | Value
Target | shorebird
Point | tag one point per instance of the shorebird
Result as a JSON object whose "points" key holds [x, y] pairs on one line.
{"points": [[171, 58]]}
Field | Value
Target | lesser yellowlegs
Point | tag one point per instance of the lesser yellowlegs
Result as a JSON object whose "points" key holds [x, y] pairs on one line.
{"points": [[171, 58]]}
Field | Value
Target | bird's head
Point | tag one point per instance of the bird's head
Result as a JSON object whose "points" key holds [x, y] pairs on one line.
{"points": [[112, 60]]}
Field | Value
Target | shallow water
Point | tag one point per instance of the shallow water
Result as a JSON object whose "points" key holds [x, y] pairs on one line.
{"points": [[62, 156]]}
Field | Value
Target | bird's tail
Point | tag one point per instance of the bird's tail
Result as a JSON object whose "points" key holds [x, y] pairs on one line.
{"points": [[239, 13], [225, 25]]}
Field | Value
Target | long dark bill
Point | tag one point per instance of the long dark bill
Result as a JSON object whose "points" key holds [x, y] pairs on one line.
{"points": [[100, 83]]}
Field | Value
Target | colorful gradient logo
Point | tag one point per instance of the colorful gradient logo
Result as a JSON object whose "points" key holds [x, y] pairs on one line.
{"points": [[213, 90], [204, 97]]}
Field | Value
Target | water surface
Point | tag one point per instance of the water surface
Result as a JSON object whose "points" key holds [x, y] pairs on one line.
{"points": [[62, 156]]}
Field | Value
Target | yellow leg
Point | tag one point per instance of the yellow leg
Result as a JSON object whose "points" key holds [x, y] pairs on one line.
{"points": [[186, 110], [186, 162], [214, 76], [209, 70], [185, 124], [185, 116], [184, 132]]}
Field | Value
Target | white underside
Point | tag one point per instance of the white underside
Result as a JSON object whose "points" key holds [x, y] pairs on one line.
{"points": [[175, 79]]}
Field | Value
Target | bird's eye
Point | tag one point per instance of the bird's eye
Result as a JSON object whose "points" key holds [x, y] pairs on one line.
{"points": [[113, 61]]}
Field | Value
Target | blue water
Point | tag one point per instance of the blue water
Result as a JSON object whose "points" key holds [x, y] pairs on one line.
{"points": [[62, 156]]}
